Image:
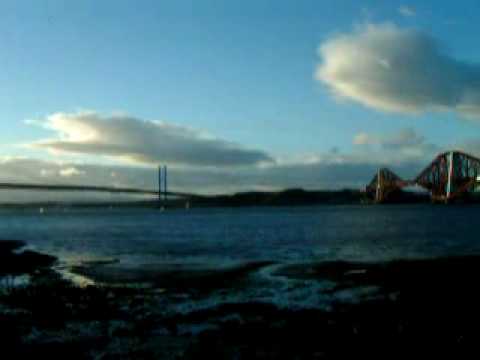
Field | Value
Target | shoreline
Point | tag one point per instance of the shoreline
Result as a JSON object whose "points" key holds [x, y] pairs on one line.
{"points": [[408, 305]]}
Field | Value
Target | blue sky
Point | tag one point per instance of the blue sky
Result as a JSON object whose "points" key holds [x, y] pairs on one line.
{"points": [[242, 71]]}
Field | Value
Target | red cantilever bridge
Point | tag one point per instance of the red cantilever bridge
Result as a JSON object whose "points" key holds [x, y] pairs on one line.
{"points": [[449, 176]]}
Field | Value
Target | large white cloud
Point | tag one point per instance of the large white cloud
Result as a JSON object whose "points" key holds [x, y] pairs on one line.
{"points": [[399, 70], [141, 141]]}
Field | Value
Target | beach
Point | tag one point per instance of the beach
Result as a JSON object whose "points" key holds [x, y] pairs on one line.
{"points": [[393, 309]]}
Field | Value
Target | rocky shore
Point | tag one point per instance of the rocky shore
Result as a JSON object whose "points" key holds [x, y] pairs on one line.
{"points": [[411, 308]]}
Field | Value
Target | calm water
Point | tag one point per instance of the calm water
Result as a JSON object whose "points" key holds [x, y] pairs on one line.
{"points": [[219, 236]]}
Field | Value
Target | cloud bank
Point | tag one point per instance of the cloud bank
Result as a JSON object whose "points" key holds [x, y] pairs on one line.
{"points": [[204, 163], [147, 142], [398, 70], [405, 151], [336, 172]]}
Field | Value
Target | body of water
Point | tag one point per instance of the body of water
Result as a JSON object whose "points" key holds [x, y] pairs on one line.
{"points": [[174, 249], [220, 236]]}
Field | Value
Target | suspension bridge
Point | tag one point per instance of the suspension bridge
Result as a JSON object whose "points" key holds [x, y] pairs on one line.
{"points": [[450, 176]]}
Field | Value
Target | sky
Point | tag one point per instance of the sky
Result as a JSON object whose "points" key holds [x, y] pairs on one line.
{"points": [[234, 95]]}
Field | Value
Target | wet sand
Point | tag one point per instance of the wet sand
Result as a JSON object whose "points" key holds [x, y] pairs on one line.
{"points": [[170, 276]]}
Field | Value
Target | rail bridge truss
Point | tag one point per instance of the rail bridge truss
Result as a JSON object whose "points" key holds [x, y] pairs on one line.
{"points": [[449, 176]]}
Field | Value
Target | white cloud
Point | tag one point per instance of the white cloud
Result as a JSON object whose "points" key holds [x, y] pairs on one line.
{"points": [[141, 141], [407, 11], [71, 171], [398, 70], [365, 139], [405, 145], [45, 172], [403, 138]]}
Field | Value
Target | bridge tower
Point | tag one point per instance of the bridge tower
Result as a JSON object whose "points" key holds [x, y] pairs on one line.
{"points": [[162, 185]]}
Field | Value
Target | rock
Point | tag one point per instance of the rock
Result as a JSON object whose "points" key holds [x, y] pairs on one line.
{"points": [[21, 263], [7, 246]]}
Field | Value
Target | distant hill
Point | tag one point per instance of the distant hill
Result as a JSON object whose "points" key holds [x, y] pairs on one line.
{"points": [[290, 197]]}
